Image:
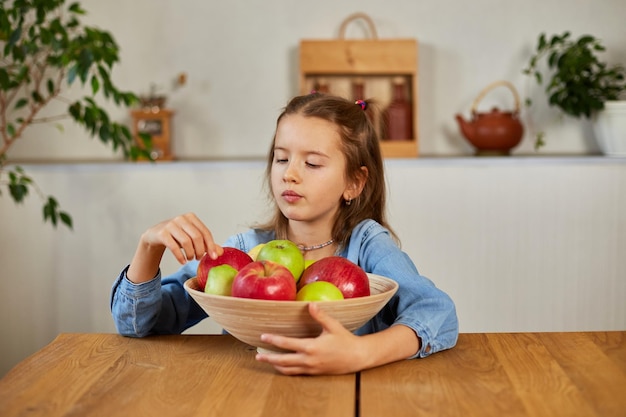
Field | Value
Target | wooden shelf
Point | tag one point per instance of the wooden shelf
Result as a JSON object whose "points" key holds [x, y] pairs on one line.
{"points": [[399, 148]]}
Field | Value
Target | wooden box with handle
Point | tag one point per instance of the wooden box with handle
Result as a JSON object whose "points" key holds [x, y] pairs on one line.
{"points": [[373, 67]]}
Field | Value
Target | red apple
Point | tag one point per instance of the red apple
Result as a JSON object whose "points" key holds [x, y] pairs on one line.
{"points": [[264, 280], [351, 280], [231, 256], [284, 252]]}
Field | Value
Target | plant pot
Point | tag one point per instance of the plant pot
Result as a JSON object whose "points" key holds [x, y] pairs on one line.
{"points": [[609, 128]]}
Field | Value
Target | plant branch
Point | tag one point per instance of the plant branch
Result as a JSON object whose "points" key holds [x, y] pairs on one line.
{"points": [[50, 119], [45, 49]]}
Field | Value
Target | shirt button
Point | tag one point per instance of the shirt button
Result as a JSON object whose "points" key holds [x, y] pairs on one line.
{"points": [[427, 350]]}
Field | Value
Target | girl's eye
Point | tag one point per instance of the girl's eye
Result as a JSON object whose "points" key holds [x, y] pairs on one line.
{"points": [[281, 160], [310, 165]]}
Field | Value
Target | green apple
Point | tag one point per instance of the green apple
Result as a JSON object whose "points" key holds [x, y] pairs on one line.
{"points": [[254, 252], [231, 256], [319, 291], [220, 280], [283, 252], [308, 262]]}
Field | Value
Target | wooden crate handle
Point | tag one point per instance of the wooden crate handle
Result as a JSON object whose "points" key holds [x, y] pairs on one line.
{"points": [[354, 16], [492, 86]]}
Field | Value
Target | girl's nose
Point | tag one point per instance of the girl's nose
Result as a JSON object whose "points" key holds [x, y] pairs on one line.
{"points": [[291, 174]]}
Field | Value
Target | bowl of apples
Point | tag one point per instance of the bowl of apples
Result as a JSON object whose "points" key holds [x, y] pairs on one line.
{"points": [[250, 297]]}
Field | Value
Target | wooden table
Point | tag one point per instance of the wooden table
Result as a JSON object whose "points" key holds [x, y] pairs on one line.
{"points": [[110, 375], [505, 374], [500, 374]]}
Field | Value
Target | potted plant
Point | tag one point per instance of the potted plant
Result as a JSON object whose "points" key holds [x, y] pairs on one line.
{"points": [[577, 81], [44, 50]]}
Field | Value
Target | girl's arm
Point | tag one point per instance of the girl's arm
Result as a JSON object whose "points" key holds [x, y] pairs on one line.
{"points": [[141, 303]]}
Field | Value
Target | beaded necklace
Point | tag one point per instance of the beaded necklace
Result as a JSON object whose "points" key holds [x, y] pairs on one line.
{"points": [[320, 246]]}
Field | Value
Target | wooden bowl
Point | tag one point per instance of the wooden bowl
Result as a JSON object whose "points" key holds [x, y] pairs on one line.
{"points": [[246, 319]]}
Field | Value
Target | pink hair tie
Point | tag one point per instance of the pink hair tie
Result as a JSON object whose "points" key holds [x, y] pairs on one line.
{"points": [[361, 103]]}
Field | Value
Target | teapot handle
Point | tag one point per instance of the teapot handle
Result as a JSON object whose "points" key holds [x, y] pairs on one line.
{"points": [[492, 86], [354, 16]]}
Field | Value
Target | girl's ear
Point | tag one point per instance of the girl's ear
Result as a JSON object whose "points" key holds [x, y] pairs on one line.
{"points": [[355, 188]]}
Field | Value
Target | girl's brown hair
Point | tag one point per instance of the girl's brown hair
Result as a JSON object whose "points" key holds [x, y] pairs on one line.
{"points": [[359, 143]]}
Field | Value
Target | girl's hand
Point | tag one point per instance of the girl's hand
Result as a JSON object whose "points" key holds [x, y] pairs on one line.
{"points": [[185, 236], [334, 351]]}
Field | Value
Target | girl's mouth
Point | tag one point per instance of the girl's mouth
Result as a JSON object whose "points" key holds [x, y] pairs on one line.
{"points": [[291, 196]]}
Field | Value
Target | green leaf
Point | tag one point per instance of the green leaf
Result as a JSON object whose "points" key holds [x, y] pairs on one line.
{"points": [[75, 111], [552, 59], [539, 140], [18, 192], [15, 36], [45, 35], [95, 85], [586, 39], [50, 210], [126, 132], [104, 74], [4, 79], [146, 139], [542, 42], [36, 97], [21, 103], [50, 85], [85, 60], [73, 22], [104, 133], [41, 15], [71, 74], [75, 8], [66, 219], [18, 184]]}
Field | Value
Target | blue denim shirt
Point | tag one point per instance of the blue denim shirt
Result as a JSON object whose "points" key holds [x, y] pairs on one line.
{"points": [[162, 306]]}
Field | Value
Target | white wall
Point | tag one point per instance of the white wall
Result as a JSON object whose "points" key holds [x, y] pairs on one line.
{"points": [[242, 63], [520, 244]]}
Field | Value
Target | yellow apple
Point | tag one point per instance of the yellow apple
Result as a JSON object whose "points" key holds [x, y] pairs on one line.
{"points": [[254, 252], [319, 291]]}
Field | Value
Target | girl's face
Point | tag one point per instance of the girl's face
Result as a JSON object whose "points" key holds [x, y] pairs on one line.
{"points": [[308, 170]]}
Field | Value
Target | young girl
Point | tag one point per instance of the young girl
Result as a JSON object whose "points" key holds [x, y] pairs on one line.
{"points": [[326, 177]]}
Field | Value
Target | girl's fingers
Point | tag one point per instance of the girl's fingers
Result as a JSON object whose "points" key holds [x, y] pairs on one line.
{"points": [[201, 237], [192, 236], [176, 249], [328, 323], [287, 343]]}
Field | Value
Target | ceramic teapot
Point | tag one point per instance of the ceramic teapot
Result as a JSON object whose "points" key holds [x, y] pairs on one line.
{"points": [[495, 132]]}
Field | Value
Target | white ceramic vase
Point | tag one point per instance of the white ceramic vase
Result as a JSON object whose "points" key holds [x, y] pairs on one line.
{"points": [[609, 128]]}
